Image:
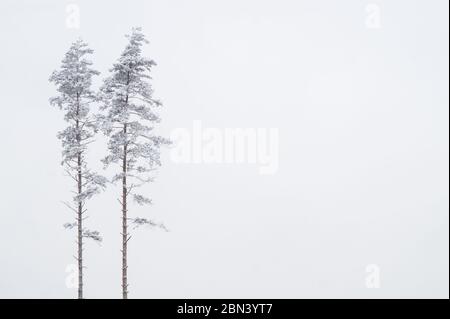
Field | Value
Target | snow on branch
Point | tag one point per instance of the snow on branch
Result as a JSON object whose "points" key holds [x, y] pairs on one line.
{"points": [[141, 200], [144, 221], [92, 234], [70, 225]]}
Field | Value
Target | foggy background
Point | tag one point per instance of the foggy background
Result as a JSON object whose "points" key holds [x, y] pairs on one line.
{"points": [[361, 104]]}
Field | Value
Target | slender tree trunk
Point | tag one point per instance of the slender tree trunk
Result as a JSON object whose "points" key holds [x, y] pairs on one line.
{"points": [[124, 209], [124, 220], [79, 218], [80, 234], [80, 209]]}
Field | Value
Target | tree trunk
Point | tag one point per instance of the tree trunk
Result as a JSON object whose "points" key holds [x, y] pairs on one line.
{"points": [[80, 208], [124, 220], [80, 234], [79, 216]]}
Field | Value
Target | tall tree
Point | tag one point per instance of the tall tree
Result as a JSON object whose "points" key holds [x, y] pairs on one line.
{"points": [[129, 121], [73, 83]]}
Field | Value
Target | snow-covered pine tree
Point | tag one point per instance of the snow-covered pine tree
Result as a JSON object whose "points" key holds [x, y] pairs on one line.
{"points": [[129, 120], [73, 82]]}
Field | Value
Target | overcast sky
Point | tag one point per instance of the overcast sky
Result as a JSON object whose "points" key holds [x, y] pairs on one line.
{"points": [[358, 91]]}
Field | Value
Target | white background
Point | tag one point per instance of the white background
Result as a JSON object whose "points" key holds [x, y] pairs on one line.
{"points": [[363, 175]]}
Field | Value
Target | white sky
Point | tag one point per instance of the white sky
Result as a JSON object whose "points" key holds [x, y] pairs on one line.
{"points": [[363, 172]]}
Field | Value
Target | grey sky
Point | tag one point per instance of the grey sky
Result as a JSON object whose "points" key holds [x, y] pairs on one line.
{"points": [[363, 172]]}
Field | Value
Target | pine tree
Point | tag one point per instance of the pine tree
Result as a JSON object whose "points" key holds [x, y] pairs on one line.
{"points": [[73, 82], [129, 120]]}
